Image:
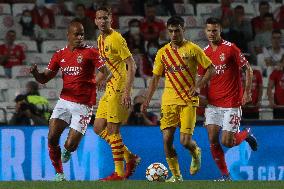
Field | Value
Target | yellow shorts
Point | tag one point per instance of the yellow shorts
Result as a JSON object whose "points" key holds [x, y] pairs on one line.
{"points": [[110, 108], [178, 115]]}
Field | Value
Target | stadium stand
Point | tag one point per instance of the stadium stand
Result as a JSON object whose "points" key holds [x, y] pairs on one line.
{"points": [[52, 45], [5, 8], [28, 45], [184, 9], [18, 8]]}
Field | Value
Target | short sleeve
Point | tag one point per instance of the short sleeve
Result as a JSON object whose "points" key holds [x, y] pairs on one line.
{"points": [[121, 46], [53, 64], [97, 59], [200, 70], [158, 67], [203, 60], [239, 57]]}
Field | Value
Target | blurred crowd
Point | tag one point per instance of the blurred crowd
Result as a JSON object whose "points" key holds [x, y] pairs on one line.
{"points": [[259, 37]]}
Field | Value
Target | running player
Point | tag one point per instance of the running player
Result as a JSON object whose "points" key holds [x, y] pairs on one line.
{"points": [[225, 95], [179, 60], [114, 105], [77, 63]]}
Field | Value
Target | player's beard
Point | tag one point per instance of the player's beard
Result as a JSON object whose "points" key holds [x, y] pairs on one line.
{"points": [[78, 43]]}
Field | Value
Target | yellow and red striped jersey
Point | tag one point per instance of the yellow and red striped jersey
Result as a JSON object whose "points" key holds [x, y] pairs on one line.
{"points": [[180, 67], [113, 50]]}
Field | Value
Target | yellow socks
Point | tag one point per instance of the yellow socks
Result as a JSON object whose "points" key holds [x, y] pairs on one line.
{"points": [[173, 165], [127, 154], [117, 147]]}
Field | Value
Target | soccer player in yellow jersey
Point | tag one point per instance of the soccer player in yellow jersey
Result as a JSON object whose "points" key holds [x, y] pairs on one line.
{"points": [[115, 103], [178, 60]]}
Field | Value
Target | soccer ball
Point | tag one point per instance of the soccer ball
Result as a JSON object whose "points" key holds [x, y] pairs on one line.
{"points": [[157, 172]]}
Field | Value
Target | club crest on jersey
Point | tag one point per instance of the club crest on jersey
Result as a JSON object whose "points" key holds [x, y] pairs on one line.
{"points": [[106, 49], [185, 56], [222, 57], [79, 59]]}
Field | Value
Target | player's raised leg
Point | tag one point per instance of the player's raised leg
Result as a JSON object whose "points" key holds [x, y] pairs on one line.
{"points": [[80, 118], [56, 128], [71, 144]]}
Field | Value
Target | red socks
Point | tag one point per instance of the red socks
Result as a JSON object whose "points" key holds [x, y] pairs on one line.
{"points": [[240, 137], [55, 157], [218, 156]]}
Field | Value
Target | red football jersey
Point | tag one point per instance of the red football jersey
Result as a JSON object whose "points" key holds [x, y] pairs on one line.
{"points": [[225, 87], [78, 73], [277, 77], [16, 55]]}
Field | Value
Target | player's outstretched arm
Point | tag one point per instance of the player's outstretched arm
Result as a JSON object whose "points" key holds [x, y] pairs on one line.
{"points": [[151, 90], [42, 77]]}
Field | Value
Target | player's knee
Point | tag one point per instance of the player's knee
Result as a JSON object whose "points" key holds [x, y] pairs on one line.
{"points": [[97, 130], [184, 141], [167, 141], [228, 143], [71, 146]]}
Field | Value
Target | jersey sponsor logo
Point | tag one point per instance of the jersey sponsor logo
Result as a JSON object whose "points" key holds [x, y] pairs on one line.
{"points": [[220, 69], [185, 56], [79, 59], [71, 70], [178, 68], [63, 60]]}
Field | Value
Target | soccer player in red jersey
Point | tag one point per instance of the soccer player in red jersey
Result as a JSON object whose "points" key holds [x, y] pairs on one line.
{"points": [[276, 82], [225, 95], [77, 63], [11, 54]]}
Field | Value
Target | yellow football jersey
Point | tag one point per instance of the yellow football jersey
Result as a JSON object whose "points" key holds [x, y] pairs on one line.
{"points": [[113, 49], [180, 68]]}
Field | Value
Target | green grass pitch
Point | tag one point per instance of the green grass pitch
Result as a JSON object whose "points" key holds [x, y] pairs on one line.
{"points": [[133, 184]]}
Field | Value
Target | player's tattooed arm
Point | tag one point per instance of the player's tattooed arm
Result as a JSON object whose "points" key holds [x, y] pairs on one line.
{"points": [[248, 82], [104, 74], [202, 81], [42, 77]]}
